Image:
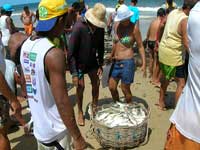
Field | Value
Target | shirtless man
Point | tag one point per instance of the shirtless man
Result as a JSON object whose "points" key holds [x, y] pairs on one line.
{"points": [[151, 42], [27, 19]]}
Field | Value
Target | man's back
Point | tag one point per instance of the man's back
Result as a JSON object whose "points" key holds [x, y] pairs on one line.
{"points": [[153, 29]]}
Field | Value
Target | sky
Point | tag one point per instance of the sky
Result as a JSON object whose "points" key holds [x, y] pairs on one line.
{"points": [[17, 2]]}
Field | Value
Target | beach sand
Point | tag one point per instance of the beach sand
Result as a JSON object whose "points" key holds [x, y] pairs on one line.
{"points": [[141, 89]]}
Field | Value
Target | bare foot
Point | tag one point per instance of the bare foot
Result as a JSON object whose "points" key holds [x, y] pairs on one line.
{"points": [[156, 84], [81, 119], [161, 106]]}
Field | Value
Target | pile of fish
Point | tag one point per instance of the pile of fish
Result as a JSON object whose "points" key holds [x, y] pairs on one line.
{"points": [[121, 115]]}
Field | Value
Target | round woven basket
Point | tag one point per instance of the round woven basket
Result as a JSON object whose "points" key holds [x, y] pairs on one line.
{"points": [[123, 136]]}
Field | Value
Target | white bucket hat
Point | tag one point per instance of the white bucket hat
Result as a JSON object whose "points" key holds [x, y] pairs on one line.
{"points": [[96, 15], [123, 13]]}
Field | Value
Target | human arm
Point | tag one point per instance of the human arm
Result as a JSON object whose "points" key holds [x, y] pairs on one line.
{"points": [[9, 95], [21, 18], [138, 39], [100, 50], [72, 48], [55, 68], [11, 27], [33, 15], [183, 33]]}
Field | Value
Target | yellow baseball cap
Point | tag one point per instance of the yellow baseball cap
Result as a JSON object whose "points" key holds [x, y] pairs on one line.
{"points": [[49, 10]]}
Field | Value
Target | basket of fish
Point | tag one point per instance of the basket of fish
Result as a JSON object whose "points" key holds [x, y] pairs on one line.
{"points": [[120, 125]]}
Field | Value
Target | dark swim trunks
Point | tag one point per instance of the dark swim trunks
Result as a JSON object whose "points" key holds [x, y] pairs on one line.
{"points": [[151, 44]]}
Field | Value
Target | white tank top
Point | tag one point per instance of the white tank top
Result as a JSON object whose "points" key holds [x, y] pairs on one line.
{"points": [[186, 116], [4, 29], [47, 123]]}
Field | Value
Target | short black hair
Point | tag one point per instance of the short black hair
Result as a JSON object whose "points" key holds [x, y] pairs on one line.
{"points": [[26, 7], [161, 12], [189, 4], [170, 2], [76, 5], [134, 1], [4, 12]]}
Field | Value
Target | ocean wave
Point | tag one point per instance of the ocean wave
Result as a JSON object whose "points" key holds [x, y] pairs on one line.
{"points": [[110, 10]]}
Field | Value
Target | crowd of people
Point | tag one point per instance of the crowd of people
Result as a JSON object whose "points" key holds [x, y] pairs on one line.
{"points": [[73, 38]]}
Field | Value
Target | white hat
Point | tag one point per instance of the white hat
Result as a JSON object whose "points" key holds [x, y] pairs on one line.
{"points": [[96, 15], [123, 13]]}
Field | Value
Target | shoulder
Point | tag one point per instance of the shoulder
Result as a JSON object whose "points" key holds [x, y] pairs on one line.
{"points": [[52, 54]]}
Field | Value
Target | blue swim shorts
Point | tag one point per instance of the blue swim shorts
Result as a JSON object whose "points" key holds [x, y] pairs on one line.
{"points": [[123, 70]]}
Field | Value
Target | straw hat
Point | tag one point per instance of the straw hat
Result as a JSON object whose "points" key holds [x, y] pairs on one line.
{"points": [[96, 15], [123, 13]]}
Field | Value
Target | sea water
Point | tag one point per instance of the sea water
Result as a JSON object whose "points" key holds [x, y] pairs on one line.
{"points": [[148, 9]]}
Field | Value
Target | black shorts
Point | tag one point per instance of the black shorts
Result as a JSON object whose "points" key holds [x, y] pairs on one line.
{"points": [[180, 71], [151, 44]]}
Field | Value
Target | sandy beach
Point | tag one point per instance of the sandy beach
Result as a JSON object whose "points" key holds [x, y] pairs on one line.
{"points": [[142, 90]]}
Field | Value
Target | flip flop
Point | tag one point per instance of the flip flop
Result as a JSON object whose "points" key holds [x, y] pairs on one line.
{"points": [[163, 108]]}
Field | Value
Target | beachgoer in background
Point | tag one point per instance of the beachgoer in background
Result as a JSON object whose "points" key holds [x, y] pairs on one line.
{"points": [[85, 54], [111, 23], [52, 112], [184, 131], [83, 6], [7, 26], [169, 4], [119, 3], [135, 10], [154, 69], [171, 52], [123, 68], [27, 20], [6, 97], [72, 17]]}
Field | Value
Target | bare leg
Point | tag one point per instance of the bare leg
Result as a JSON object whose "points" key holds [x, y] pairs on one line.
{"points": [[156, 72], [179, 89], [127, 92], [113, 89], [163, 88], [151, 63], [4, 142], [95, 89], [79, 94]]}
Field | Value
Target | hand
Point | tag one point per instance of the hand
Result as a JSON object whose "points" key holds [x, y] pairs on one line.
{"points": [[100, 71], [143, 69], [80, 143], [16, 108], [75, 81]]}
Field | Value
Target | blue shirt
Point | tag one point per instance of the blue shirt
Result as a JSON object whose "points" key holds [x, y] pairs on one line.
{"points": [[136, 14]]}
